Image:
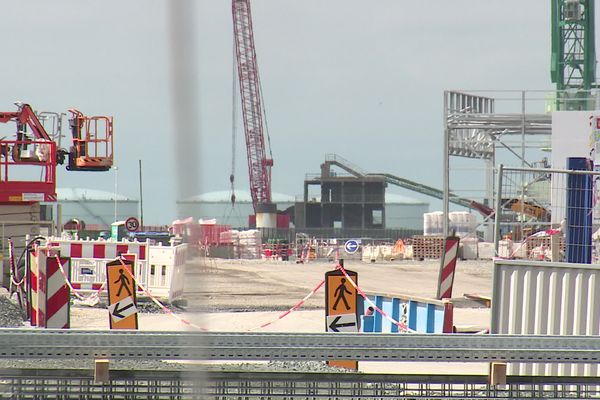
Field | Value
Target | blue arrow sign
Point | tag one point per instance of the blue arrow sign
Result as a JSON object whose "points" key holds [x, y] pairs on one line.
{"points": [[351, 246]]}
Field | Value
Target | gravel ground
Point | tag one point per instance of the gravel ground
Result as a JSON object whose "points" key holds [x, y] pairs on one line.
{"points": [[278, 366], [11, 315]]}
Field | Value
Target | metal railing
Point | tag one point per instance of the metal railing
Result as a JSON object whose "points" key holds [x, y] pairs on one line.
{"points": [[199, 384]]}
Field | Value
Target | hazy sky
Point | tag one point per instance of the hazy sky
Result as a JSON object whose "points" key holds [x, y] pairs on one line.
{"points": [[358, 78]]}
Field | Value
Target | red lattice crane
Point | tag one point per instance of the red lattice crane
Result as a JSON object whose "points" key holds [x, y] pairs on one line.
{"points": [[259, 165]]}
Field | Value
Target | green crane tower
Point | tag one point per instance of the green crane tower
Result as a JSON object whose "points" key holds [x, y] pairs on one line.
{"points": [[573, 63]]}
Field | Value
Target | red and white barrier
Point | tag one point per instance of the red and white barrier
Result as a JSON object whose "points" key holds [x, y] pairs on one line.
{"points": [[37, 257], [57, 294], [89, 257], [50, 294], [98, 249], [160, 269], [447, 267]]}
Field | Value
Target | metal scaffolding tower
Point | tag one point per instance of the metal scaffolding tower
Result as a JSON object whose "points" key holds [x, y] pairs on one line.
{"points": [[573, 63], [474, 128]]}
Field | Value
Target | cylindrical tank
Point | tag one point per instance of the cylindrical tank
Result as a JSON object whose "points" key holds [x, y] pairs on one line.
{"points": [[266, 215]]}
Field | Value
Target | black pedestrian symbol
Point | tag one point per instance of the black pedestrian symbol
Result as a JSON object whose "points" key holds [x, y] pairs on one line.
{"points": [[124, 283], [340, 294]]}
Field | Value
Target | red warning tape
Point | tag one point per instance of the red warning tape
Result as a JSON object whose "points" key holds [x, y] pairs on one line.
{"points": [[158, 303], [94, 295], [399, 324], [294, 308]]}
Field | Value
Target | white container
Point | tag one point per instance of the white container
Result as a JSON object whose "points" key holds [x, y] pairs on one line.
{"points": [[469, 248], [485, 250], [433, 223], [462, 222], [505, 248]]}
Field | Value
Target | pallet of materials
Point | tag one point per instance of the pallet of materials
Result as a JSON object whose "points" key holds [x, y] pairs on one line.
{"points": [[427, 246]]}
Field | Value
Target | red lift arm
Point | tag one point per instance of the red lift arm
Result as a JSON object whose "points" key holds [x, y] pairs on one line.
{"points": [[28, 164]]}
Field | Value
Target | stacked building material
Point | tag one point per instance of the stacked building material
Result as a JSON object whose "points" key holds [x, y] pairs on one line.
{"points": [[231, 238], [427, 247], [250, 244]]}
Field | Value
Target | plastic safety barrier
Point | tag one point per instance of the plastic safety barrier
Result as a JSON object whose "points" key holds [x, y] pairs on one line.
{"points": [[49, 293], [420, 315], [158, 268]]}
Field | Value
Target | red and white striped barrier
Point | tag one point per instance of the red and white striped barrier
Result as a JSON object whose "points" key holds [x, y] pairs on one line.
{"points": [[57, 294], [447, 268], [98, 249], [50, 294], [36, 257]]}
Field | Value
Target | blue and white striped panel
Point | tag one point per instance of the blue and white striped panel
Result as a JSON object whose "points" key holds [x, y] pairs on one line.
{"points": [[421, 317]]}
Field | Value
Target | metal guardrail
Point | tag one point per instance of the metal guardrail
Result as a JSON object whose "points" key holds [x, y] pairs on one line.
{"points": [[29, 343], [409, 347]]}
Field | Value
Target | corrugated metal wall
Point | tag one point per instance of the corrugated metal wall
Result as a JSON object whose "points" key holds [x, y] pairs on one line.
{"points": [[546, 299]]}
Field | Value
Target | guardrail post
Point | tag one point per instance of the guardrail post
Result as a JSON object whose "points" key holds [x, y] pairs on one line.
{"points": [[101, 370], [497, 375]]}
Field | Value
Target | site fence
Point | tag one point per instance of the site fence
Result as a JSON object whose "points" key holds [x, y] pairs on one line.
{"points": [[541, 213], [381, 235]]}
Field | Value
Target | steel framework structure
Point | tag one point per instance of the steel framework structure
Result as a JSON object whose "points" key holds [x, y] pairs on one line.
{"points": [[475, 129], [259, 165]]}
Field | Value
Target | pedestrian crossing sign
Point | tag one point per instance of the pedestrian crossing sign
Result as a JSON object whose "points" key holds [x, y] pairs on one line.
{"points": [[121, 294]]}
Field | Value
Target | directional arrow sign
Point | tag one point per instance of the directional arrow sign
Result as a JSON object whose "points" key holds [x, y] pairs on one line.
{"points": [[122, 309], [342, 323], [351, 246]]}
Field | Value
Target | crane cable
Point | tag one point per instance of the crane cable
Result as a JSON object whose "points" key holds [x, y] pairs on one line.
{"points": [[264, 111]]}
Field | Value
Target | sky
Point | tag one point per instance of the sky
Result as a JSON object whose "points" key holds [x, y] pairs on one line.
{"points": [[364, 80]]}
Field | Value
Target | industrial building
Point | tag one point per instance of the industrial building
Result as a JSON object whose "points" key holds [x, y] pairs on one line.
{"points": [[401, 212], [218, 205], [95, 207]]}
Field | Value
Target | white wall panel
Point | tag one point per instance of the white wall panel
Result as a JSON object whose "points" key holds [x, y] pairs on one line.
{"points": [[546, 299]]}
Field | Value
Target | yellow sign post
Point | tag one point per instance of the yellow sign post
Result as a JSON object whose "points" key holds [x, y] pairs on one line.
{"points": [[121, 295], [341, 307]]}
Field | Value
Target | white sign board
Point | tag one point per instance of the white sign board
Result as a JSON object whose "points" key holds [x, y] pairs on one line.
{"points": [[342, 323], [122, 309]]}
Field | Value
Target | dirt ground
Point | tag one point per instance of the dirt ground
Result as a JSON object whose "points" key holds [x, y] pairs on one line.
{"points": [[243, 295], [258, 285]]}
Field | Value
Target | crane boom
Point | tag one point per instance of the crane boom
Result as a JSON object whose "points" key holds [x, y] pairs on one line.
{"points": [[259, 166]]}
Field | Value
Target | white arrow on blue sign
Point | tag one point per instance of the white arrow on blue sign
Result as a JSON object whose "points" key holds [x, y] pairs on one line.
{"points": [[351, 246]]}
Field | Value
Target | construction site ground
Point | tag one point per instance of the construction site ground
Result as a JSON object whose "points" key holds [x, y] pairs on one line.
{"points": [[243, 295]]}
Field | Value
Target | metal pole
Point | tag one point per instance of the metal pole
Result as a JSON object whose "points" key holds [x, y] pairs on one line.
{"points": [[58, 219], [446, 174], [522, 220], [116, 187], [498, 212], [141, 198]]}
